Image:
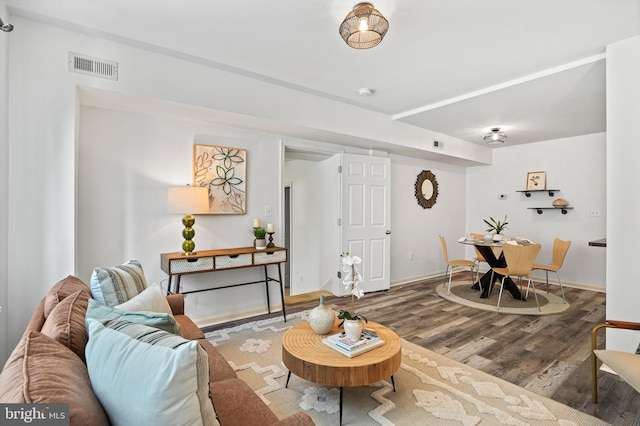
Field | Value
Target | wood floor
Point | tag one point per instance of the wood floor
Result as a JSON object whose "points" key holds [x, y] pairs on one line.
{"points": [[549, 355]]}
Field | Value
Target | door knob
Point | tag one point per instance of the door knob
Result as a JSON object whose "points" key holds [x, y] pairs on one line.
{"points": [[388, 232]]}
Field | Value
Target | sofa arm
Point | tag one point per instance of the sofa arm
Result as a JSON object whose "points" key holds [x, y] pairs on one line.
{"points": [[176, 303]]}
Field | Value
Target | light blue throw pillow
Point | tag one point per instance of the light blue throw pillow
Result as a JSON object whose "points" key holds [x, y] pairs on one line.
{"points": [[146, 376], [116, 284], [159, 320]]}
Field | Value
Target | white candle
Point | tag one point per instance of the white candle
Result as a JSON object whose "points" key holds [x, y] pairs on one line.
{"points": [[256, 223], [270, 227]]}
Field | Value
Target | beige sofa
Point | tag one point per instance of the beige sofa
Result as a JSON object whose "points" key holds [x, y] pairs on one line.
{"points": [[48, 365]]}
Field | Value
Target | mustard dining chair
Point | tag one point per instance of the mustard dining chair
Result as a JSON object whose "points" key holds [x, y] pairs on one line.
{"points": [[459, 263], [560, 249], [624, 364], [520, 260]]}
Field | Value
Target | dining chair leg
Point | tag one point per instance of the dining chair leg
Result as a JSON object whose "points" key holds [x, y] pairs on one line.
{"points": [[520, 283], [594, 363], [444, 279], [531, 283], [477, 262], [490, 283], [561, 288], [499, 295], [594, 378], [547, 274], [450, 275]]}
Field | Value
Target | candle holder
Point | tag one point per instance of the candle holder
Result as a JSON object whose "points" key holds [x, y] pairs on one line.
{"points": [[270, 244]]}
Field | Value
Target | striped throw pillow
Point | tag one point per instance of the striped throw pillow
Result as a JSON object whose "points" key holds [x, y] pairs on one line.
{"points": [[115, 285], [146, 376]]}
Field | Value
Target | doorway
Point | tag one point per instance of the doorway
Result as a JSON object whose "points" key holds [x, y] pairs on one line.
{"points": [[310, 210], [329, 211]]}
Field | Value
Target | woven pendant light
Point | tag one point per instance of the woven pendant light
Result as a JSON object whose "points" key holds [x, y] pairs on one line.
{"points": [[364, 27]]}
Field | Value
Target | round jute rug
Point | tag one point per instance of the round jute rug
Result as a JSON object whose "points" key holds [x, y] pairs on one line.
{"points": [[463, 294]]}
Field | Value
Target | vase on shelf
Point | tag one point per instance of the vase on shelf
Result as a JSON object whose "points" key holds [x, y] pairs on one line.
{"points": [[353, 329], [322, 318], [260, 244]]}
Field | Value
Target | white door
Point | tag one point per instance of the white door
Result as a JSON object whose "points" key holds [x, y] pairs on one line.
{"points": [[365, 221]]}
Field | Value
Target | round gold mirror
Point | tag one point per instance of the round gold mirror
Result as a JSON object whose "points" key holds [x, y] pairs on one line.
{"points": [[426, 189]]}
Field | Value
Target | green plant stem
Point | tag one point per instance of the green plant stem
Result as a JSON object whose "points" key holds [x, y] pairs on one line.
{"points": [[353, 280]]}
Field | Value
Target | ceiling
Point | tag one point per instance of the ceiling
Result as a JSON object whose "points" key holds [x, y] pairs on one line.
{"points": [[458, 67]]}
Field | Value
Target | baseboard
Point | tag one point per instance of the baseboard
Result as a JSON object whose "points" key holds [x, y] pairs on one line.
{"points": [[537, 279], [415, 279], [224, 318]]}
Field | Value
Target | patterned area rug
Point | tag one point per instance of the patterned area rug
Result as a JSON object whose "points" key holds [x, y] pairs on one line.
{"points": [[463, 294], [430, 389]]}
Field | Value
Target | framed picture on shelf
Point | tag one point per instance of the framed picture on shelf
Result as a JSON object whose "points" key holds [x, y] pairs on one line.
{"points": [[223, 170], [536, 181]]}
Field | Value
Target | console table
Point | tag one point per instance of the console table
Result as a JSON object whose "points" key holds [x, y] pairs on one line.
{"points": [[178, 264]]}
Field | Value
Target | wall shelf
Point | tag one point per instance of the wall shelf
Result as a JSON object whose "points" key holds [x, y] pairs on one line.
{"points": [[540, 209], [550, 191]]}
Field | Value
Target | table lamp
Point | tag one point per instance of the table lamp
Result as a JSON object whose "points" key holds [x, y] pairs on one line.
{"points": [[188, 200]]}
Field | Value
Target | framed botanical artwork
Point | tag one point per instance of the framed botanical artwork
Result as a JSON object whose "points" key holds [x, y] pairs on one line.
{"points": [[536, 181], [223, 170]]}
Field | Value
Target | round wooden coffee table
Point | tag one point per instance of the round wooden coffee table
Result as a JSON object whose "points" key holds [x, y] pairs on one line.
{"points": [[304, 354]]}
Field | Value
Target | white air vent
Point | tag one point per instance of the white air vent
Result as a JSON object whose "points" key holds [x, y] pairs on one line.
{"points": [[96, 67]]}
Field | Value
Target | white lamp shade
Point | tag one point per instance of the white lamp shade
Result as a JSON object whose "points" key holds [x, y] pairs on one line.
{"points": [[188, 200]]}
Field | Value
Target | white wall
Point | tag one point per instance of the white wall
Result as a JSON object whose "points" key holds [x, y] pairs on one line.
{"points": [[415, 246], [575, 166], [623, 152], [4, 186], [125, 164]]}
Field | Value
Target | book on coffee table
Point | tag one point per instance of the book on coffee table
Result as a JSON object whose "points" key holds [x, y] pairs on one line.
{"points": [[351, 348]]}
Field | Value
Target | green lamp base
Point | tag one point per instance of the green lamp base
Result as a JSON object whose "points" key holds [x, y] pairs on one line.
{"points": [[188, 233]]}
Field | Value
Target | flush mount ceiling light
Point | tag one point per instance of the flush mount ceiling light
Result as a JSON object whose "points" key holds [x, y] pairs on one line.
{"points": [[364, 27], [495, 137]]}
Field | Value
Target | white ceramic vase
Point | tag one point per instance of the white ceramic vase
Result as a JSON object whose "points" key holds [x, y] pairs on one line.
{"points": [[322, 318], [353, 329], [261, 244]]}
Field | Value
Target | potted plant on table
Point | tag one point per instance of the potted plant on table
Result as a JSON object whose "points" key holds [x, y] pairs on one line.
{"points": [[260, 237], [496, 226], [352, 322]]}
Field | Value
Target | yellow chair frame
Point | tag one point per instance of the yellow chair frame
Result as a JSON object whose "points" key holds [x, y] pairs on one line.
{"points": [[618, 368]]}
